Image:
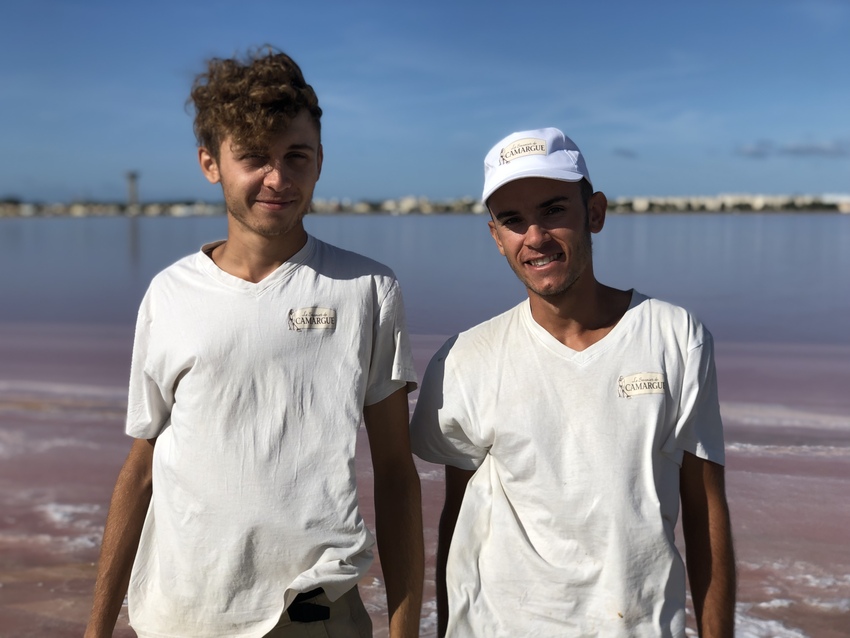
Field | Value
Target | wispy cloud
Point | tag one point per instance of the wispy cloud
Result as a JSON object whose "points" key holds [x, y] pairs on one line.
{"points": [[757, 150], [765, 148], [817, 149], [826, 15], [625, 153]]}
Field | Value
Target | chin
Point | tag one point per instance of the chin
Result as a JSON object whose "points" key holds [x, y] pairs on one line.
{"points": [[553, 291]]}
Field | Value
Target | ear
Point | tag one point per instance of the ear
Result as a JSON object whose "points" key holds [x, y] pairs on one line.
{"points": [[494, 233], [209, 166], [597, 206], [320, 157]]}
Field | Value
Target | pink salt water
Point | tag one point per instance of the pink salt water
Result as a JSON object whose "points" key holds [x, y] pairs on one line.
{"points": [[787, 415]]}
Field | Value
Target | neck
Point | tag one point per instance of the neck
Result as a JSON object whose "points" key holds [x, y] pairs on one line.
{"points": [[254, 257], [581, 315]]}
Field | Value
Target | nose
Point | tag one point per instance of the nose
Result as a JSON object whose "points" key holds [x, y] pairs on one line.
{"points": [[536, 235], [275, 177]]}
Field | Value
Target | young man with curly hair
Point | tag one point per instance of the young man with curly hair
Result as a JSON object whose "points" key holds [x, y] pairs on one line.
{"points": [[235, 513]]}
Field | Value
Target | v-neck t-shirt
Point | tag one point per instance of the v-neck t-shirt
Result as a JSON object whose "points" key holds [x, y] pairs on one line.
{"points": [[255, 393], [567, 525]]}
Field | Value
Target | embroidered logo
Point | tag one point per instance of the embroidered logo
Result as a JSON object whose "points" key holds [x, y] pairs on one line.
{"points": [[641, 383], [521, 148], [312, 319]]}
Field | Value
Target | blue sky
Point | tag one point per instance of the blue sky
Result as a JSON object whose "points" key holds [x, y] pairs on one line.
{"points": [[664, 98]]}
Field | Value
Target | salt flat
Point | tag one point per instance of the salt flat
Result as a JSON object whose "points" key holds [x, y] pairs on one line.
{"points": [[62, 399]]}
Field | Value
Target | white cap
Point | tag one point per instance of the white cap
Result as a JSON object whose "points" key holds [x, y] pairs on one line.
{"points": [[544, 152]]}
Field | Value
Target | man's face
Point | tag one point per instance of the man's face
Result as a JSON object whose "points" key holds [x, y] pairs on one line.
{"points": [[543, 228], [268, 190]]}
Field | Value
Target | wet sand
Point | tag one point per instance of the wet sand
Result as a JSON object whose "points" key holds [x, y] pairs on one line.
{"points": [[62, 396]]}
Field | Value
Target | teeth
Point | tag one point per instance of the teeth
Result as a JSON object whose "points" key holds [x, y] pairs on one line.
{"points": [[542, 261]]}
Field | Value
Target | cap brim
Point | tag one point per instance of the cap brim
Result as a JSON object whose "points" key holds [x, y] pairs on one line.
{"points": [[559, 175]]}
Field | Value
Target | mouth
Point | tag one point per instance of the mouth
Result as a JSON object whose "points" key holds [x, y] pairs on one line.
{"points": [[275, 203], [542, 261]]}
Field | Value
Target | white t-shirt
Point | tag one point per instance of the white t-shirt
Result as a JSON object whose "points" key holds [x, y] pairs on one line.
{"points": [[255, 393], [567, 526]]}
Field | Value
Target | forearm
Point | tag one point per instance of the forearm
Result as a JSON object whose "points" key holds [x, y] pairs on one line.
{"points": [[398, 513], [711, 572], [456, 482], [444, 541], [127, 511], [709, 550]]}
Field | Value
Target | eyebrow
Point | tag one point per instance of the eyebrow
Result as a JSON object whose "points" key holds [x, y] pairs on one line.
{"points": [[554, 200], [303, 146], [300, 147]]}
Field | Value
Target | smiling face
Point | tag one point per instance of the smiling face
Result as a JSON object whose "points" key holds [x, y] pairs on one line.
{"points": [[268, 191], [543, 229]]}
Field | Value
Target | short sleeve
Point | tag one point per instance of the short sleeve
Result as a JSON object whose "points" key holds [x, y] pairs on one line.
{"points": [[391, 365], [699, 428], [148, 406], [437, 431]]}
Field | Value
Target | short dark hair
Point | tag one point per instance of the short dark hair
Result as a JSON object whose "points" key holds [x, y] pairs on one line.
{"points": [[250, 99], [586, 191]]}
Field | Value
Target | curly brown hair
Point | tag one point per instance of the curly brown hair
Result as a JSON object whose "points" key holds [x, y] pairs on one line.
{"points": [[250, 99]]}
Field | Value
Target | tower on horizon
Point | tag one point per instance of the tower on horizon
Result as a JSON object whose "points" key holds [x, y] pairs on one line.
{"points": [[132, 193]]}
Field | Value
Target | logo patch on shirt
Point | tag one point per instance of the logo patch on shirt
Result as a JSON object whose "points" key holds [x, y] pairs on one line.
{"points": [[312, 319], [521, 148], [641, 383]]}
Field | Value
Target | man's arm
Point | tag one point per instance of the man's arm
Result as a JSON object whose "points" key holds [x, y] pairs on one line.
{"points": [[708, 546], [127, 510], [456, 480], [398, 511]]}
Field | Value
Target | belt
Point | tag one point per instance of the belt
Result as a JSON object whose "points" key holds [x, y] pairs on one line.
{"points": [[302, 611]]}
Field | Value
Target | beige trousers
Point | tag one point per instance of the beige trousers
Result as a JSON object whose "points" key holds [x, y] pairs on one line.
{"points": [[349, 619]]}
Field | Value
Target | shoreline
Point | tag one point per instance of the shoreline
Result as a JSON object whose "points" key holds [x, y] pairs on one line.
{"points": [[613, 210]]}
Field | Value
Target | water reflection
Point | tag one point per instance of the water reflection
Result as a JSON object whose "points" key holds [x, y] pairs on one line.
{"points": [[749, 277]]}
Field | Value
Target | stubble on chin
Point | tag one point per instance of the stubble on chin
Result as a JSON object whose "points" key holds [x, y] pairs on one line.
{"points": [[582, 258], [271, 229]]}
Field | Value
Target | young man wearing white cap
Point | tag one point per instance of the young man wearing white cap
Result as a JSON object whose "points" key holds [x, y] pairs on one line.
{"points": [[571, 427]]}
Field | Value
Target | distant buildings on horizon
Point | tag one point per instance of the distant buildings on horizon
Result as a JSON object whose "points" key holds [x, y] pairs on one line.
{"points": [[11, 207]]}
